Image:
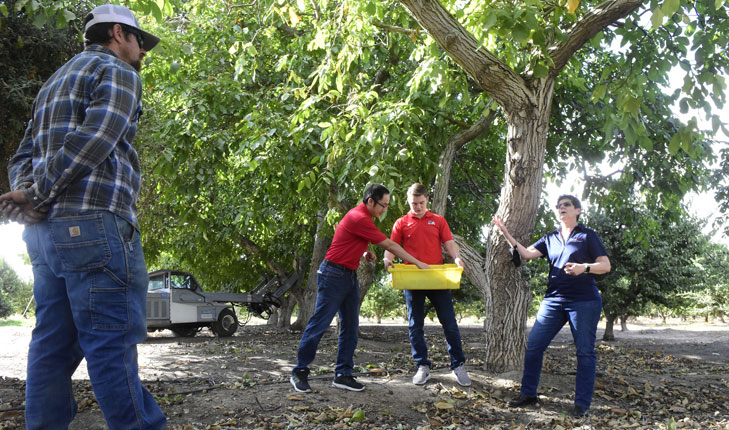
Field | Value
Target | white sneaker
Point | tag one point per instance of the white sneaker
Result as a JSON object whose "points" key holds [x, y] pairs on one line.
{"points": [[422, 375], [462, 376]]}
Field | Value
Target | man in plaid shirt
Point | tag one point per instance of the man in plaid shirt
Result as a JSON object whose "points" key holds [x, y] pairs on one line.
{"points": [[75, 181]]}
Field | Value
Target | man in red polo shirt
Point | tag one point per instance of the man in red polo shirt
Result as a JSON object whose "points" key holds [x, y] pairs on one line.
{"points": [[338, 288], [421, 233]]}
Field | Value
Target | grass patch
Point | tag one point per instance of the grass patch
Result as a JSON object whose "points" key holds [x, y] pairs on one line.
{"points": [[17, 321]]}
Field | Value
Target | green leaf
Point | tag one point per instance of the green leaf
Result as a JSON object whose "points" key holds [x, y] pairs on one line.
{"points": [[540, 71], [520, 32], [371, 8], [657, 18], [489, 20], [373, 170], [675, 144], [669, 7], [683, 106], [715, 123], [39, 20], [599, 92], [68, 15]]}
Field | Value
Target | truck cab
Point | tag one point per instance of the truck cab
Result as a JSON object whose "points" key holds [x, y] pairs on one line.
{"points": [[176, 301]]}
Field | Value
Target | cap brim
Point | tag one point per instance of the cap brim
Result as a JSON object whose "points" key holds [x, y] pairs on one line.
{"points": [[150, 41]]}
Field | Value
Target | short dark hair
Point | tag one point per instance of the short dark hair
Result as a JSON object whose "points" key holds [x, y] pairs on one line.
{"points": [[97, 34], [418, 189], [375, 192], [574, 200]]}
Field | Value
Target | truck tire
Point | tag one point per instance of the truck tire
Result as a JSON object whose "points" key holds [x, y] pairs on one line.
{"points": [[183, 331], [226, 324]]}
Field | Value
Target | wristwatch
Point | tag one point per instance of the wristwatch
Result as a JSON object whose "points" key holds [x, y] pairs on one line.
{"points": [[587, 268]]}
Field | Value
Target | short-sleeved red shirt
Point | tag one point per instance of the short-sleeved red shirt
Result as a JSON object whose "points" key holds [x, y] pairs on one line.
{"points": [[352, 236], [422, 237]]}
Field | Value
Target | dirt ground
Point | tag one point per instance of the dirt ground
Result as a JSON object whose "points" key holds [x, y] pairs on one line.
{"points": [[652, 377]]}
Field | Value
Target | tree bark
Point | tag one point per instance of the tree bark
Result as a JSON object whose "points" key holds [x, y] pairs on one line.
{"points": [[624, 323], [365, 276], [306, 297], [439, 201], [609, 334]]}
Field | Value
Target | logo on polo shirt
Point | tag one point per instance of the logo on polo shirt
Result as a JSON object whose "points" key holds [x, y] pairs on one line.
{"points": [[431, 222]]}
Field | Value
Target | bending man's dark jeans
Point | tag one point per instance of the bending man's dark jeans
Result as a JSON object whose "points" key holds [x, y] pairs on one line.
{"points": [[551, 317], [338, 292], [90, 287], [443, 304]]}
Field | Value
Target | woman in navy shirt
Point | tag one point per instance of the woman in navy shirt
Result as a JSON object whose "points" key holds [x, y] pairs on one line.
{"points": [[575, 254]]}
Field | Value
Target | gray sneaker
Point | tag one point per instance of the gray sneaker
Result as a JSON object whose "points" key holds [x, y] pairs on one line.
{"points": [[462, 376], [422, 375]]}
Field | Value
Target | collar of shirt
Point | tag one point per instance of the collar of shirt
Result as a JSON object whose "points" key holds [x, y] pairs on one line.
{"points": [[578, 227], [102, 49], [427, 215]]}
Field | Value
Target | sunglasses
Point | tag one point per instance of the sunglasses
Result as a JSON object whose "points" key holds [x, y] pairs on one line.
{"points": [[137, 34], [567, 204]]}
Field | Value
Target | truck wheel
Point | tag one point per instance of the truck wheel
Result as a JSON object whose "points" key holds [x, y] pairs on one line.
{"points": [[181, 331], [226, 324]]}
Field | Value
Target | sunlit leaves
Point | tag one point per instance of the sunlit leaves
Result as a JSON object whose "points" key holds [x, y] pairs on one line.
{"points": [[572, 5]]}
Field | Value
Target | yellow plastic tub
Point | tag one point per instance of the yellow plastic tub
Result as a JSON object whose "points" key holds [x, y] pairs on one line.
{"points": [[438, 277]]}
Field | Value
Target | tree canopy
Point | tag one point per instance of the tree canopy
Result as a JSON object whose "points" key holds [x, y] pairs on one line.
{"points": [[264, 122]]}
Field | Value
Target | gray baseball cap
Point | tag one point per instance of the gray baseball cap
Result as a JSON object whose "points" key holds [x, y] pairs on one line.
{"points": [[120, 14]]}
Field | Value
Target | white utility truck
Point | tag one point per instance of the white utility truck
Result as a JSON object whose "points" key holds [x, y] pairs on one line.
{"points": [[176, 301]]}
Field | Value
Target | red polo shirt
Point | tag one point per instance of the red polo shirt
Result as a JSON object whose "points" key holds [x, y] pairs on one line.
{"points": [[422, 237], [352, 236]]}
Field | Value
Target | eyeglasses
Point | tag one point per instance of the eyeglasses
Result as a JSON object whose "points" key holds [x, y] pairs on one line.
{"points": [[136, 34], [386, 205], [566, 204]]}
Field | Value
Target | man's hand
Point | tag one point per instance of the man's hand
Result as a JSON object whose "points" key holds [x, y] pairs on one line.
{"points": [[370, 256], [422, 265], [459, 262], [16, 207], [388, 263]]}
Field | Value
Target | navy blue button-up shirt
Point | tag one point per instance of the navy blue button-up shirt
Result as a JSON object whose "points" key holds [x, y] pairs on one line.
{"points": [[583, 246]]}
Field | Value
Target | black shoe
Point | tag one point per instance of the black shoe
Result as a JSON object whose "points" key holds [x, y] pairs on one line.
{"points": [[300, 380], [522, 401], [579, 412], [347, 382]]}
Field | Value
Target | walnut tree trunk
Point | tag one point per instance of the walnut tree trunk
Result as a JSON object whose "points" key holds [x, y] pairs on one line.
{"points": [[306, 297]]}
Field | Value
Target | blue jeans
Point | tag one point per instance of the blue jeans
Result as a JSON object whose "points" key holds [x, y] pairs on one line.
{"points": [[338, 292], [551, 317], [443, 304], [90, 288]]}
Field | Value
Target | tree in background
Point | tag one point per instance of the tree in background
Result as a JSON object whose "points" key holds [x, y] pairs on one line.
{"points": [[382, 301], [30, 51], [653, 259], [711, 298], [14, 293]]}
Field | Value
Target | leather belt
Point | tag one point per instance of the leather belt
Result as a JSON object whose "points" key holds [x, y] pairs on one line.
{"points": [[337, 266]]}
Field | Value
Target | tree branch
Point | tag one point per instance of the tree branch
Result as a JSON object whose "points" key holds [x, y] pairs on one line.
{"points": [[589, 25], [395, 29], [502, 83]]}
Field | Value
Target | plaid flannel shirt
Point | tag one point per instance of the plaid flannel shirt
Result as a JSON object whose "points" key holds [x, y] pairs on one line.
{"points": [[77, 152]]}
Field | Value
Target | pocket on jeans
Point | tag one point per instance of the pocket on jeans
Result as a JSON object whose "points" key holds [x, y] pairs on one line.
{"points": [[81, 242], [109, 309]]}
